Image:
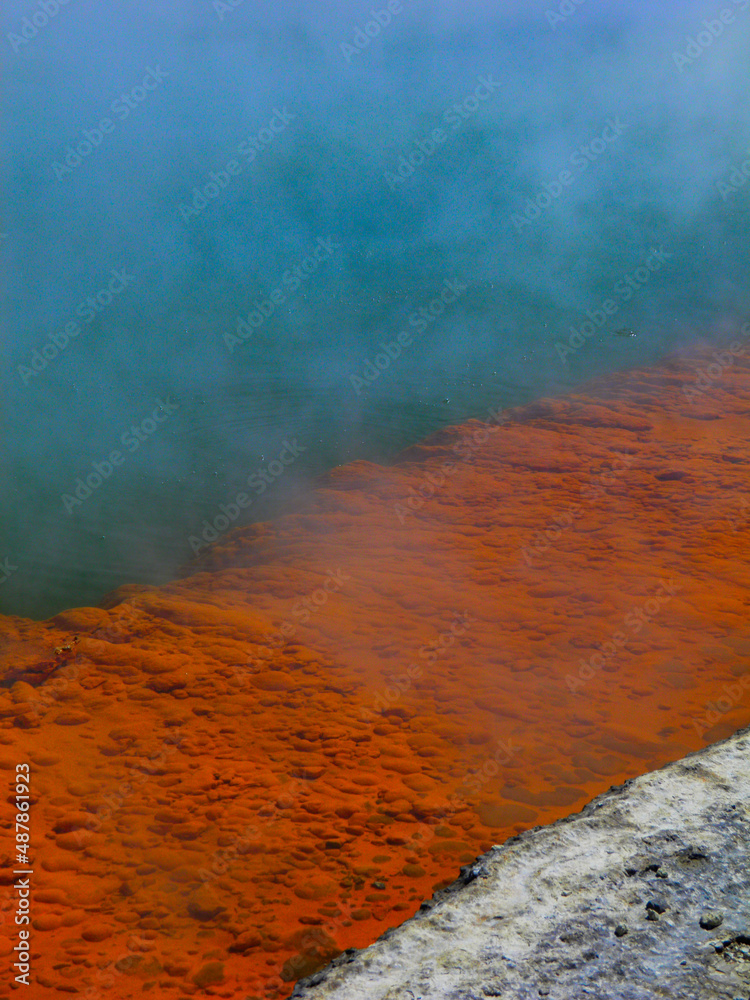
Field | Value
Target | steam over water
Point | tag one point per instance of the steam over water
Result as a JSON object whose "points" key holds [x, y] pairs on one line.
{"points": [[267, 260], [418, 211]]}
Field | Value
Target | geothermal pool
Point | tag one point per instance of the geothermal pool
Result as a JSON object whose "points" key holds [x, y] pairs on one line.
{"points": [[238, 774]]}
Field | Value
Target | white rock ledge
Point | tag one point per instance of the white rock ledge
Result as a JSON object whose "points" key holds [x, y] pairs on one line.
{"points": [[537, 916]]}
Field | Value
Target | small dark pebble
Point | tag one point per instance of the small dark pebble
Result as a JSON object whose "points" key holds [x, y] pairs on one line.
{"points": [[378, 885], [656, 907], [711, 919], [621, 930]]}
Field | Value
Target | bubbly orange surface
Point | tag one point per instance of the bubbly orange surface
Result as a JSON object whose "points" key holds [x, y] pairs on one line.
{"points": [[279, 756]]}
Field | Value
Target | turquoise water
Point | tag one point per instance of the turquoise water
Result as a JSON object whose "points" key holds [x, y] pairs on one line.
{"points": [[176, 171]]}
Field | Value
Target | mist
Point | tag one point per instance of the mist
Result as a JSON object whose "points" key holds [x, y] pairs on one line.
{"points": [[243, 244]]}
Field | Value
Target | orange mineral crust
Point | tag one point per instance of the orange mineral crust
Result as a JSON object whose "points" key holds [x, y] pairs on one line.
{"points": [[236, 776]]}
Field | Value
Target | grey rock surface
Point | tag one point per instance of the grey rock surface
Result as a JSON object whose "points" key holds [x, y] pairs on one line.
{"points": [[645, 893]]}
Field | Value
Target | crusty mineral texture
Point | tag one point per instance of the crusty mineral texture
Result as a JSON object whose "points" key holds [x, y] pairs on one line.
{"points": [[644, 893], [240, 774]]}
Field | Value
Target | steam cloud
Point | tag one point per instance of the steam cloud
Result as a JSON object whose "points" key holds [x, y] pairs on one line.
{"points": [[206, 150]]}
